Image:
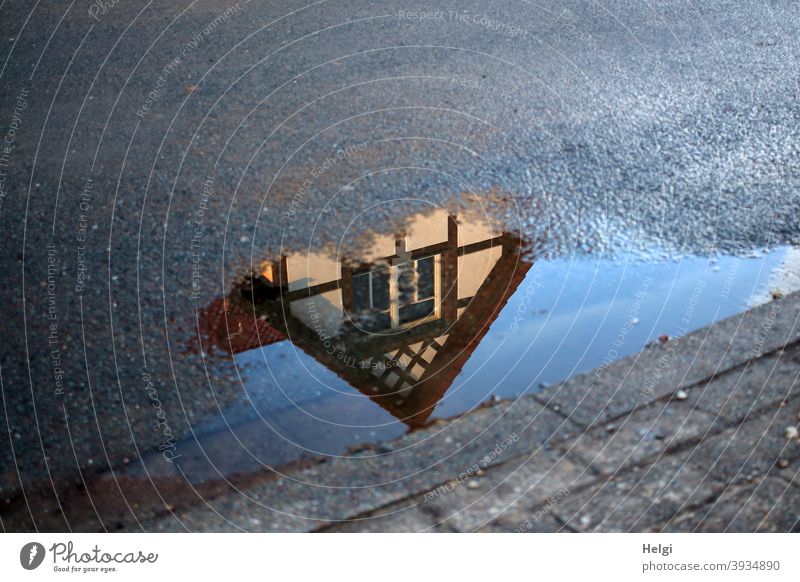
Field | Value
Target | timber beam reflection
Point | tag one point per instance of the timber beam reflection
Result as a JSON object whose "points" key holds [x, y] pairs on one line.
{"points": [[399, 323]]}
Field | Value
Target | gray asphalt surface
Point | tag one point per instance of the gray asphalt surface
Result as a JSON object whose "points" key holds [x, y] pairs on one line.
{"points": [[657, 127]]}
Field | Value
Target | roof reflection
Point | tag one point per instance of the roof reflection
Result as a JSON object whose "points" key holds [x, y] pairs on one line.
{"points": [[398, 322]]}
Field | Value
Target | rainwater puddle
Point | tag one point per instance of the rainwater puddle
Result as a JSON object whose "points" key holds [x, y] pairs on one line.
{"points": [[333, 352]]}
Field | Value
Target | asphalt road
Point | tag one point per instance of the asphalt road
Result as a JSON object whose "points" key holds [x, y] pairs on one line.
{"points": [[150, 147]]}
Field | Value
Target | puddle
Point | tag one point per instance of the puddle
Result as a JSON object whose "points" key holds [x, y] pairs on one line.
{"points": [[336, 349]]}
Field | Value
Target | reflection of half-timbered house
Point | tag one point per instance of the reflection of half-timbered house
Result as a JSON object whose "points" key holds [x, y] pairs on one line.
{"points": [[400, 322]]}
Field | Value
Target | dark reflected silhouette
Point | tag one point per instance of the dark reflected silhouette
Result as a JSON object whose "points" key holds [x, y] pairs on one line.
{"points": [[398, 324]]}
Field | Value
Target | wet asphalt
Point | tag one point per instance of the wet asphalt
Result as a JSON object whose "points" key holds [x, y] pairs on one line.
{"points": [[154, 153]]}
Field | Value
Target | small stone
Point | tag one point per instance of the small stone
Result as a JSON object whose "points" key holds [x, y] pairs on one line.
{"points": [[681, 395], [777, 294], [782, 463], [791, 432], [585, 520], [473, 484], [479, 472], [611, 427]]}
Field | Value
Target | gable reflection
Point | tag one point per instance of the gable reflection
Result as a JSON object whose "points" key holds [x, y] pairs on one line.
{"points": [[398, 323]]}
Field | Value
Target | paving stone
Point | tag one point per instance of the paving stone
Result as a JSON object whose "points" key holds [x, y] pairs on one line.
{"points": [[751, 387], [661, 369], [755, 448], [768, 505], [540, 521], [641, 499], [509, 494], [643, 435], [517, 495], [400, 517]]}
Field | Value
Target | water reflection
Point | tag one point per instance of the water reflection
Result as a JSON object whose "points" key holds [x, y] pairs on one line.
{"points": [[397, 323], [338, 348]]}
